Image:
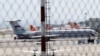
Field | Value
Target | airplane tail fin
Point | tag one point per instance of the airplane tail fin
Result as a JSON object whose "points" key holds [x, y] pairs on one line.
{"points": [[16, 27], [48, 27], [32, 28], [71, 25], [74, 25]]}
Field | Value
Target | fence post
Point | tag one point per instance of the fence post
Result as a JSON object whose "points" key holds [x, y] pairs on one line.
{"points": [[43, 39], [34, 53], [53, 53]]}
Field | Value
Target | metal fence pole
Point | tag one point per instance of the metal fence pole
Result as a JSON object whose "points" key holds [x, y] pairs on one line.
{"points": [[43, 39]]}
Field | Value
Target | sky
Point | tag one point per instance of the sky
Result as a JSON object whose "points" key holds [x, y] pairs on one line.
{"points": [[60, 12]]}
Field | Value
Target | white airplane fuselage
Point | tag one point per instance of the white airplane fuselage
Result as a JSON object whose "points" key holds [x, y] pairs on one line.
{"points": [[23, 34]]}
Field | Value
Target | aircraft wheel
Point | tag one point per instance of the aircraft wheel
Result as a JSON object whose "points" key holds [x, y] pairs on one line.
{"points": [[15, 38], [90, 40], [47, 39]]}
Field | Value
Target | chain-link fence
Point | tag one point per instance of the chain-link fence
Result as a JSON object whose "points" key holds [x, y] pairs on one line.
{"points": [[61, 15]]}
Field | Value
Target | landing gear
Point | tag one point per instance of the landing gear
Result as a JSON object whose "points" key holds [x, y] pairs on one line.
{"points": [[90, 40], [15, 38], [47, 39]]}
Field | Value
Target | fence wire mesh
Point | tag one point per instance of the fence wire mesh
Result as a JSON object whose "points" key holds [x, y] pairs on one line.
{"points": [[60, 15]]}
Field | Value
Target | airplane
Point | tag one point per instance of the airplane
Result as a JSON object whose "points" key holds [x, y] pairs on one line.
{"points": [[21, 33]]}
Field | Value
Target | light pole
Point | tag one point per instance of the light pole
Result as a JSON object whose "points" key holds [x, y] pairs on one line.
{"points": [[43, 39], [85, 17]]}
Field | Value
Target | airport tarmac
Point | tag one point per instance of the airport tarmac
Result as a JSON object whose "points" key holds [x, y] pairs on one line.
{"points": [[29, 48], [70, 47]]}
